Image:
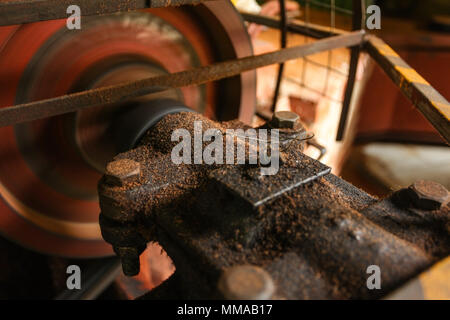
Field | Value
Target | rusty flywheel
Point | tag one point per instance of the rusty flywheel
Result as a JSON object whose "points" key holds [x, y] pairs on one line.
{"points": [[49, 168]]}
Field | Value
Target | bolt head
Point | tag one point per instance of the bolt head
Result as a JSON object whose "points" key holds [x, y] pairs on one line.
{"points": [[246, 283], [284, 119], [123, 171], [129, 257], [429, 195]]}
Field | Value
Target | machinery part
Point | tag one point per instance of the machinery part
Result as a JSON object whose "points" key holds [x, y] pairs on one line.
{"points": [[284, 119], [129, 256], [134, 122], [268, 116], [122, 172], [313, 233], [428, 195], [290, 129], [246, 283], [49, 169], [78, 101]]}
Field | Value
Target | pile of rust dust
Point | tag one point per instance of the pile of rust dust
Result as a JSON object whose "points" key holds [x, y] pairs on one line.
{"points": [[312, 232]]}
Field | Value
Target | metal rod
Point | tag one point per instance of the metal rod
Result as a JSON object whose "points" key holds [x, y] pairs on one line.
{"points": [[18, 12], [305, 60], [322, 149], [283, 41], [422, 95], [330, 53], [334, 70], [311, 30], [327, 6], [264, 113], [121, 92], [305, 86], [354, 58]]}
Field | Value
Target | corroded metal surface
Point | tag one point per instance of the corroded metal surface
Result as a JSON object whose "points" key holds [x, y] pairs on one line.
{"points": [[315, 240]]}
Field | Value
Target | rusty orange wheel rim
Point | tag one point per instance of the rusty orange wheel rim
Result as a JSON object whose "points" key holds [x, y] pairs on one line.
{"points": [[48, 190]]}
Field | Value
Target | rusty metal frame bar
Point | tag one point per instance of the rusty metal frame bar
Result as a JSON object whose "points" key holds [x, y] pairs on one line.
{"points": [[112, 94], [358, 7], [283, 43], [311, 30], [422, 95], [26, 11], [19, 12]]}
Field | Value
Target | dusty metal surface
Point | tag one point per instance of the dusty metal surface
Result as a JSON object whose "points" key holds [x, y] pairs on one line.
{"points": [[117, 93], [314, 236]]}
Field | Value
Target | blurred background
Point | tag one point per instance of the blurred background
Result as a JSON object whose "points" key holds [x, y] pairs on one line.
{"points": [[388, 144]]}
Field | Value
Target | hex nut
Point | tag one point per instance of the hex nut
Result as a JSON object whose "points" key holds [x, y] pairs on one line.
{"points": [[246, 282], [123, 171], [284, 119], [428, 195]]}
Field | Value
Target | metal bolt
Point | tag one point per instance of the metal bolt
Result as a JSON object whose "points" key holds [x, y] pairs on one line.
{"points": [[122, 172], [428, 195], [129, 257], [284, 119], [246, 283]]}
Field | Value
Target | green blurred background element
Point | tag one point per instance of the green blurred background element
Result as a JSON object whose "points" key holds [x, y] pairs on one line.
{"points": [[396, 8], [414, 8]]}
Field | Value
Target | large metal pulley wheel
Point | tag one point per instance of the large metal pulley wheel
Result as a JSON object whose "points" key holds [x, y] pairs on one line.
{"points": [[49, 168]]}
